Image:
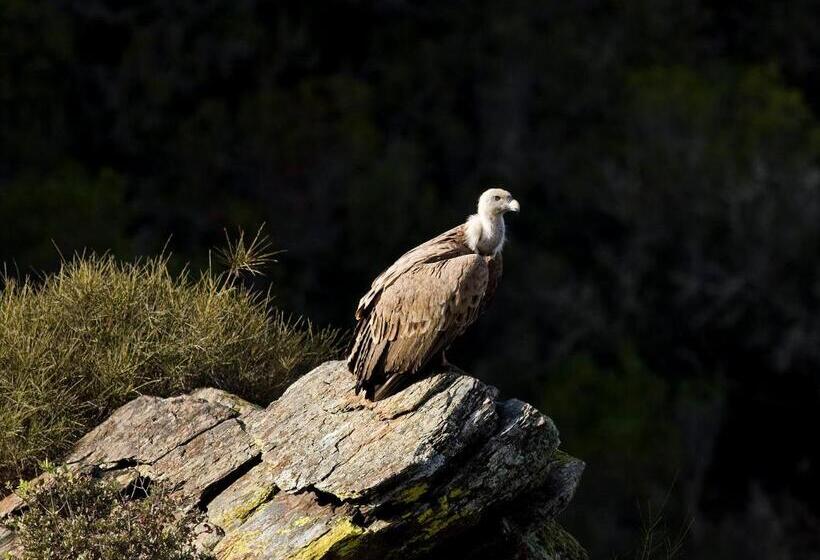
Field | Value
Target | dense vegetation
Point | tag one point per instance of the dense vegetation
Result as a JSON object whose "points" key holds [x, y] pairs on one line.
{"points": [[661, 297], [98, 333], [78, 516]]}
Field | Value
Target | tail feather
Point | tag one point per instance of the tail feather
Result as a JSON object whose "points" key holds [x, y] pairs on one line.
{"points": [[393, 385], [366, 359]]}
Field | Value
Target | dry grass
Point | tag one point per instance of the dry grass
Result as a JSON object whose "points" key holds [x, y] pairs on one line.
{"points": [[659, 541], [89, 338]]}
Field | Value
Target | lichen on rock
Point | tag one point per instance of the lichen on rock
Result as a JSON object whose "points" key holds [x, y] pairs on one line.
{"points": [[321, 473]]}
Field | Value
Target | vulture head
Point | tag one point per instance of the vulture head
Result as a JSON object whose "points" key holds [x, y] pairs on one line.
{"points": [[485, 230], [496, 202]]}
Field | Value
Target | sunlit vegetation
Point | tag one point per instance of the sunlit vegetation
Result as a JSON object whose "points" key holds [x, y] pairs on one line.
{"points": [[77, 516], [99, 332]]}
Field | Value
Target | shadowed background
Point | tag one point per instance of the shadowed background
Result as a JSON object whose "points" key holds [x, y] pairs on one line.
{"points": [[661, 297]]}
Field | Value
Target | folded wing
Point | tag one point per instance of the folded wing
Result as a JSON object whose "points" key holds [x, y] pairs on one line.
{"points": [[413, 318]]}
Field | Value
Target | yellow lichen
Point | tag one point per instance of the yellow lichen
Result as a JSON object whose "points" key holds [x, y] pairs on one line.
{"points": [[425, 515], [438, 517], [295, 524], [240, 546], [440, 521], [238, 515], [412, 494], [342, 539]]}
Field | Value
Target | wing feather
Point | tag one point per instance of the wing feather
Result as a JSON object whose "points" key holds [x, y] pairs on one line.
{"points": [[495, 267], [414, 315], [447, 245]]}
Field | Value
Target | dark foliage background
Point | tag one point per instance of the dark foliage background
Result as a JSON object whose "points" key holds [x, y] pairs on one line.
{"points": [[662, 288]]}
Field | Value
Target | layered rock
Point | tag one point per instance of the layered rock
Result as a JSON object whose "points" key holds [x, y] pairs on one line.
{"points": [[321, 473]]}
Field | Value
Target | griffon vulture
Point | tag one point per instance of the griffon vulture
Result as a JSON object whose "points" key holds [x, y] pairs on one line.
{"points": [[416, 308]]}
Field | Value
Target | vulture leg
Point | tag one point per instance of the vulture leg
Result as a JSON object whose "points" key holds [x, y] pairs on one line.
{"points": [[447, 366], [443, 360]]}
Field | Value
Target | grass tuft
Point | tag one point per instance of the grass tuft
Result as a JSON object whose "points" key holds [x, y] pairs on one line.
{"points": [[247, 256], [79, 343]]}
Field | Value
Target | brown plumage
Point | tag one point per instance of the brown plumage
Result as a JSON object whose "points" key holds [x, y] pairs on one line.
{"points": [[416, 308]]}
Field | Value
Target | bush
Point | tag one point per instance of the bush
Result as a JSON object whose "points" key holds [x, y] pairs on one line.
{"points": [[98, 333], [77, 516]]}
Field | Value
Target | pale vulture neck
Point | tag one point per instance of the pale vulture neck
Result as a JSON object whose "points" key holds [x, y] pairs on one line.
{"points": [[485, 233]]}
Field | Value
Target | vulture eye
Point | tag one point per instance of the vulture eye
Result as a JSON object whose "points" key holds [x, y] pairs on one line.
{"points": [[496, 197]]}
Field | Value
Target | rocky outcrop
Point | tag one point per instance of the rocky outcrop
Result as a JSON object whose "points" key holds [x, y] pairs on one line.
{"points": [[441, 469]]}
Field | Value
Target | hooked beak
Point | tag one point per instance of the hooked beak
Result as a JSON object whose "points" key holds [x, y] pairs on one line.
{"points": [[513, 206]]}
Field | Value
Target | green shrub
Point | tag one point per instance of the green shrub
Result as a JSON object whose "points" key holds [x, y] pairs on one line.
{"points": [[98, 333], [77, 516]]}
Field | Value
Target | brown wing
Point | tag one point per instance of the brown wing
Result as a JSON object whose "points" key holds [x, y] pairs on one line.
{"points": [[495, 267], [415, 316], [447, 245]]}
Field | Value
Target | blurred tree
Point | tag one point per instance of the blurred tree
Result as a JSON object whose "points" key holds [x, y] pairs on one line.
{"points": [[666, 157], [63, 211]]}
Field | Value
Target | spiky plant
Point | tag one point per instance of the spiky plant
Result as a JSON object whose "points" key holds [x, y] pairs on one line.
{"points": [[240, 256], [96, 334]]}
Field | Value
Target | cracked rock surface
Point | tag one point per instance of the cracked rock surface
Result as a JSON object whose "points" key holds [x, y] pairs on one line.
{"points": [[442, 469]]}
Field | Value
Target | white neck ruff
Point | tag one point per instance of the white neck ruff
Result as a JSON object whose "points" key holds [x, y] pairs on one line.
{"points": [[485, 234]]}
